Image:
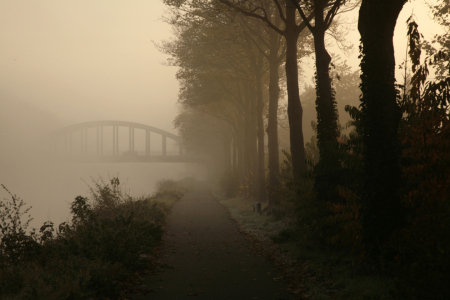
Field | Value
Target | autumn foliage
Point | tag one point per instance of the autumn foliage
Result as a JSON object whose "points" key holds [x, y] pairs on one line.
{"points": [[420, 249]]}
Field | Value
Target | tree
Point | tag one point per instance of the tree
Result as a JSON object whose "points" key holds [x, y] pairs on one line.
{"points": [[272, 47], [441, 13], [206, 135], [346, 84], [381, 207], [290, 29], [326, 171], [257, 65], [221, 74], [425, 136]]}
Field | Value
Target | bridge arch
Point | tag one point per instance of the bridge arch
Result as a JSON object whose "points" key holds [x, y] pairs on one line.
{"points": [[65, 135]]}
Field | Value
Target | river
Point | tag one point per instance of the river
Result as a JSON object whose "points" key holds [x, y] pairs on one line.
{"points": [[50, 187]]}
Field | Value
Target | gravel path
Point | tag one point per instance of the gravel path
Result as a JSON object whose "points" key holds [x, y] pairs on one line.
{"points": [[204, 256]]}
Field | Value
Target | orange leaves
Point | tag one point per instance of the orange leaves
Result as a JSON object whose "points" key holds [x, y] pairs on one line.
{"points": [[345, 216], [426, 168], [426, 143]]}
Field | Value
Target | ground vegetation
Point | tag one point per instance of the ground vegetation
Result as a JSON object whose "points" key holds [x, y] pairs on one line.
{"points": [[95, 255]]}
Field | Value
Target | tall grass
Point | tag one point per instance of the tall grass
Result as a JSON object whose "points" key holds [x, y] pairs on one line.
{"points": [[109, 237]]}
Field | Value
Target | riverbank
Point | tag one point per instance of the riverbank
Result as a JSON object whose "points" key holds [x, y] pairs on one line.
{"points": [[94, 255]]}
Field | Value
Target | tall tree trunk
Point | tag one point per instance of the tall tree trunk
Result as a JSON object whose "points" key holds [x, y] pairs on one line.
{"points": [[241, 147], [251, 136], [260, 131], [326, 175], [272, 119], [272, 124], [381, 207], [248, 132], [295, 111], [254, 139], [235, 150]]}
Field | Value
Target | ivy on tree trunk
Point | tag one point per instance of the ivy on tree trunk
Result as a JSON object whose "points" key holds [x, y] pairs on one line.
{"points": [[381, 207], [326, 171]]}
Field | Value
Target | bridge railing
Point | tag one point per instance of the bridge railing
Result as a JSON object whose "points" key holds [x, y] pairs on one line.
{"points": [[94, 153], [107, 141]]}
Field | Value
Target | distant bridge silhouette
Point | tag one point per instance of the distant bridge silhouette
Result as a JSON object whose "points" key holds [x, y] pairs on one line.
{"points": [[86, 142]]}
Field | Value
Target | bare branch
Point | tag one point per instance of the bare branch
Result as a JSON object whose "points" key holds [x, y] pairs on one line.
{"points": [[252, 14], [332, 13], [304, 18], [280, 11]]}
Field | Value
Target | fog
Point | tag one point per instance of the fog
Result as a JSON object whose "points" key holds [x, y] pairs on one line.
{"points": [[73, 61], [88, 60], [67, 62], [49, 185]]}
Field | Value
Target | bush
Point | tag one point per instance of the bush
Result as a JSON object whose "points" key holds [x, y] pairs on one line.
{"points": [[109, 238]]}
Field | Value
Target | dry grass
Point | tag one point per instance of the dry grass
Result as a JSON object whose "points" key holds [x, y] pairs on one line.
{"points": [[261, 225]]}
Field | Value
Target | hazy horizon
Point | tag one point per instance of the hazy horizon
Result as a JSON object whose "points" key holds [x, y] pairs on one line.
{"points": [[66, 62]]}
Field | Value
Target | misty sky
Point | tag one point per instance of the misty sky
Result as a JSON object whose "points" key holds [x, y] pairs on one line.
{"points": [[88, 60], [85, 60]]}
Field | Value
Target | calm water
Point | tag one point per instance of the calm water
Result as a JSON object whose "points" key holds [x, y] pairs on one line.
{"points": [[50, 187]]}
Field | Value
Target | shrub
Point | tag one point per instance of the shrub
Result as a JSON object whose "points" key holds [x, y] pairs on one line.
{"points": [[106, 241]]}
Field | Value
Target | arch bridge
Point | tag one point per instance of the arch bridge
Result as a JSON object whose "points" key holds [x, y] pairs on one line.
{"points": [[115, 141]]}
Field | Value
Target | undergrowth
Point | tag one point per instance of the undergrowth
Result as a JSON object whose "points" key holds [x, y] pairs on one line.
{"points": [[326, 237], [332, 235], [108, 239]]}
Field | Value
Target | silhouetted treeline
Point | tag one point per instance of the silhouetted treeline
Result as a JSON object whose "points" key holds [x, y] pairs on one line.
{"points": [[365, 191]]}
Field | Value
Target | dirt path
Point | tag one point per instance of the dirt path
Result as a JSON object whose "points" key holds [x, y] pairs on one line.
{"points": [[206, 257]]}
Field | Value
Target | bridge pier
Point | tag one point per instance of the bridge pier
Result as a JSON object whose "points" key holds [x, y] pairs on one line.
{"points": [[164, 146], [63, 143], [115, 140], [83, 147], [131, 139], [147, 142], [99, 140]]}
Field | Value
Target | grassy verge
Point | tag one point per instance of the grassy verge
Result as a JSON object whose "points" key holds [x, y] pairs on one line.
{"points": [[316, 271], [261, 225], [110, 238]]}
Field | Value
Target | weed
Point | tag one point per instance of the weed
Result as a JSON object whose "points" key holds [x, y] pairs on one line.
{"points": [[107, 240]]}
